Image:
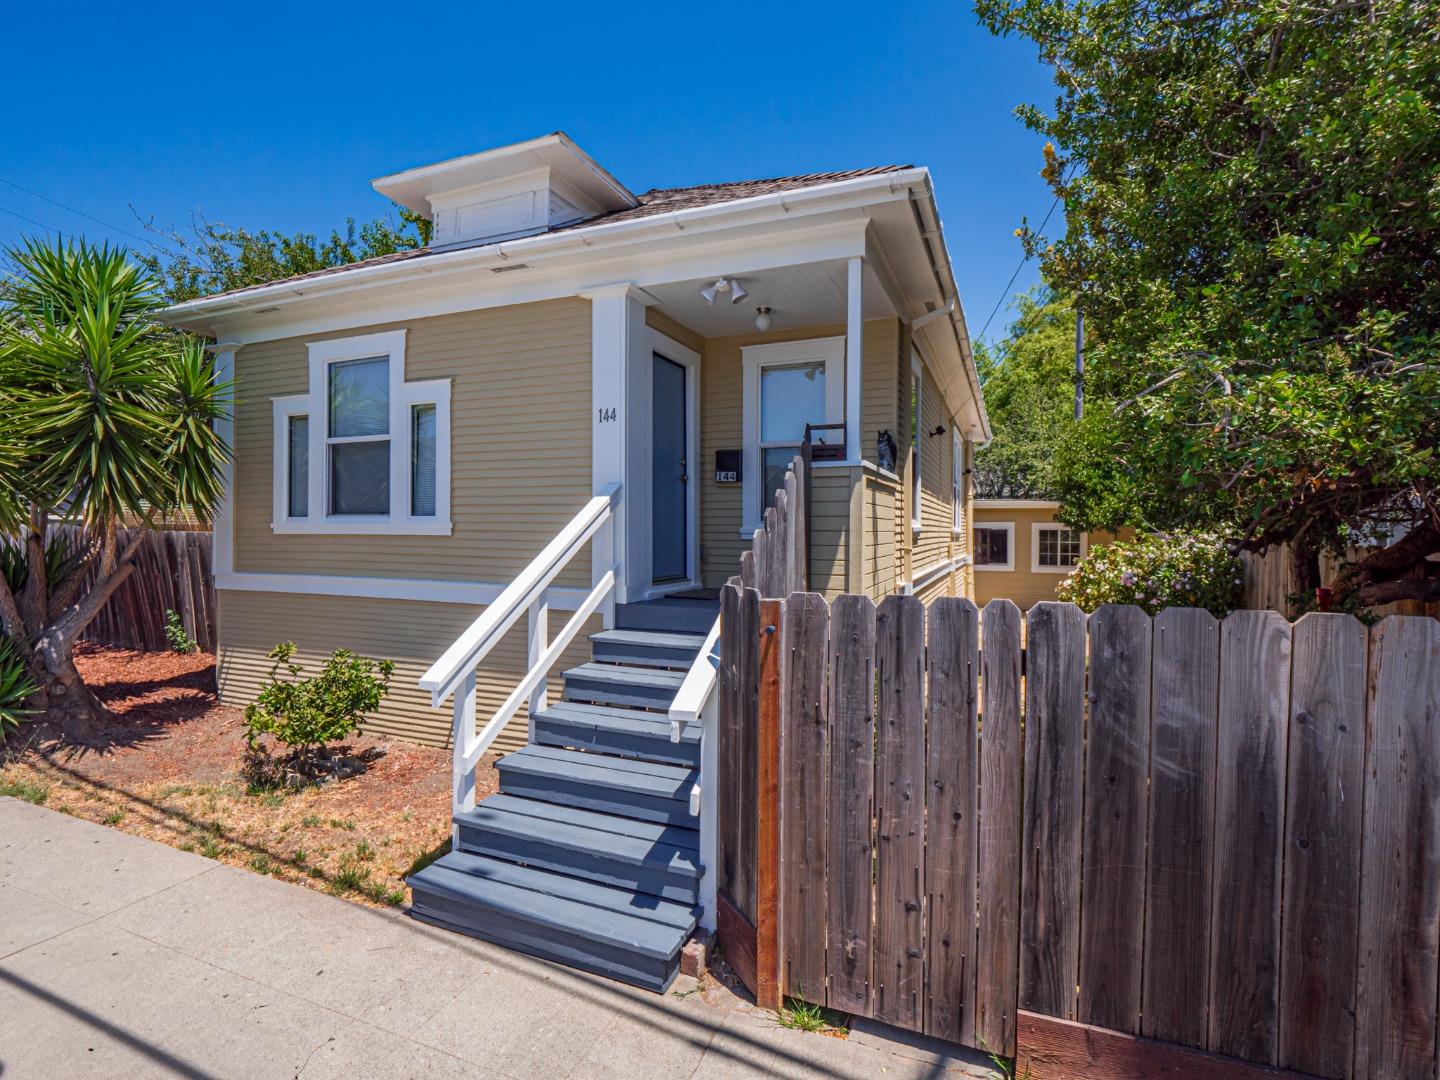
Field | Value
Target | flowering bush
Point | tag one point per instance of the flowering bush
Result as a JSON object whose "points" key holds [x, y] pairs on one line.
{"points": [[1191, 569]]}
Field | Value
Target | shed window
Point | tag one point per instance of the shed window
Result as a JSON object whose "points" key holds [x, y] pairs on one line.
{"points": [[995, 546]]}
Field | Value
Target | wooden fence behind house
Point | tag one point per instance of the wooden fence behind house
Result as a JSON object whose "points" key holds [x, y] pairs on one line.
{"points": [[1177, 834], [172, 572], [1268, 582]]}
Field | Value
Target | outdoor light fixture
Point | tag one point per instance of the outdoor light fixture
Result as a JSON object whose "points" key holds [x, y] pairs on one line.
{"points": [[762, 318], [724, 285]]}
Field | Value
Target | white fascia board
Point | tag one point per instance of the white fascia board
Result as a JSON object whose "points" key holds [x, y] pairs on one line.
{"points": [[1016, 504], [857, 192], [673, 257]]}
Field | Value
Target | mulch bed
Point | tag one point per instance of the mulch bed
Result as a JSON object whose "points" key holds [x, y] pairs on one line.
{"points": [[168, 766]]}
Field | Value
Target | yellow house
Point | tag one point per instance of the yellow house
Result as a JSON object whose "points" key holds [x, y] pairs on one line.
{"points": [[1022, 552], [524, 456]]}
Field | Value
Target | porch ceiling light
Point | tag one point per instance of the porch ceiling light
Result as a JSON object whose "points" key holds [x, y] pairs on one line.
{"points": [[763, 321], [729, 286]]}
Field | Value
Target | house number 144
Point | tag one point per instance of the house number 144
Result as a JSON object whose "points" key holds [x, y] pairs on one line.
{"points": [[606, 416]]}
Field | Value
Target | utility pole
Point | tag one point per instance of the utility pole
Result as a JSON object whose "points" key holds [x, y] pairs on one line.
{"points": [[1079, 363]]}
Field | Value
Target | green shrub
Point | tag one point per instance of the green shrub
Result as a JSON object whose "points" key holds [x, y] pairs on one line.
{"points": [[1189, 569], [16, 688], [303, 714], [176, 634]]}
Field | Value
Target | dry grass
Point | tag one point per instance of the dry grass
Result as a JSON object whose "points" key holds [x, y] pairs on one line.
{"points": [[171, 776]]}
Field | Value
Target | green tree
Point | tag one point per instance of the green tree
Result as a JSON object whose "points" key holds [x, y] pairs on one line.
{"points": [[105, 416], [1252, 195], [1029, 383], [216, 258]]}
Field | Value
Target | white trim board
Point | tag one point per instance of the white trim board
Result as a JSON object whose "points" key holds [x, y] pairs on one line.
{"points": [[1016, 504], [423, 590]]}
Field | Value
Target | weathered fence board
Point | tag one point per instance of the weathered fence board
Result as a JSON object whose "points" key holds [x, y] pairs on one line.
{"points": [[950, 852], [1180, 841], [1324, 806], [997, 974], [1400, 876], [899, 810], [1249, 811], [851, 799], [1116, 763], [739, 688], [1054, 764], [172, 573], [804, 722]]}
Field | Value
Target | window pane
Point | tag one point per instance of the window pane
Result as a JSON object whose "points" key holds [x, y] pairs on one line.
{"points": [[360, 477], [791, 397], [992, 547], [360, 398], [422, 461], [776, 460], [298, 450]]}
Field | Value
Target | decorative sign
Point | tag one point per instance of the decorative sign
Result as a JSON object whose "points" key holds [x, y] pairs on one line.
{"points": [[727, 466]]}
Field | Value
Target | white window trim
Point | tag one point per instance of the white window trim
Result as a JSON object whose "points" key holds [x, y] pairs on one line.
{"points": [[403, 396], [917, 439], [957, 480], [1009, 528], [1036, 528], [754, 358]]}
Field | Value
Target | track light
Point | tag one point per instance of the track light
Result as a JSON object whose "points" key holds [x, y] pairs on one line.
{"points": [[737, 292]]}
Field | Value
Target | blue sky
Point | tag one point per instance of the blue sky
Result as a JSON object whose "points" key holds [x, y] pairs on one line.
{"points": [[280, 118]]}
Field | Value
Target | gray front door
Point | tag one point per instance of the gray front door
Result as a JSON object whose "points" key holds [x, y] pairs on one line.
{"points": [[669, 472]]}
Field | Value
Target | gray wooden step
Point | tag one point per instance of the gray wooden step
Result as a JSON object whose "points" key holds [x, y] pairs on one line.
{"points": [[612, 730], [621, 684], [668, 613], [655, 648], [638, 789], [580, 923], [657, 860]]}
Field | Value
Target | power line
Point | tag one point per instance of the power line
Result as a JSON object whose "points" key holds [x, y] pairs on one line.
{"points": [[81, 213], [48, 227], [1023, 260]]}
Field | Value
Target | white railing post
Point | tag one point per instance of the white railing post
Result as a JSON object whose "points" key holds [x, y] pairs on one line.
{"points": [[709, 807], [462, 796], [539, 642]]}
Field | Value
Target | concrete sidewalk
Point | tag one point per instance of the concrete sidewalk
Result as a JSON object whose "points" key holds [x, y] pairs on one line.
{"points": [[120, 957]]}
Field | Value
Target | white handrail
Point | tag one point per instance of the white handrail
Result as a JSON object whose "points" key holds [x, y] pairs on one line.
{"points": [[454, 672], [472, 646], [698, 685]]}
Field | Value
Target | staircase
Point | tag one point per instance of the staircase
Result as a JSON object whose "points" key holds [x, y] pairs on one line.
{"points": [[589, 855]]}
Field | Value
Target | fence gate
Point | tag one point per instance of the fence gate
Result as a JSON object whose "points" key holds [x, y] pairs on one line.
{"points": [[1108, 844]]}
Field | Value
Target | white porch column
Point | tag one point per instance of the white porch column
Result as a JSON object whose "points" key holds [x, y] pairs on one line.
{"points": [[222, 544], [853, 332], [617, 323]]}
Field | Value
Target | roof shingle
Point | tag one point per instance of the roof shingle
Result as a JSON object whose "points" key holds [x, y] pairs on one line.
{"points": [[653, 202]]}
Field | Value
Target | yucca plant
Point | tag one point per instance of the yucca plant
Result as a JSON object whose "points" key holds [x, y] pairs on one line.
{"points": [[105, 415], [16, 690]]}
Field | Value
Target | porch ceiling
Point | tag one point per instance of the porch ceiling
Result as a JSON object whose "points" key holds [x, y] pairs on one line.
{"points": [[808, 294]]}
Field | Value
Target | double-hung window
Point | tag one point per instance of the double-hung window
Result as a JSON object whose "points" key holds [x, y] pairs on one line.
{"points": [[917, 418], [787, 386], [364, 451]]}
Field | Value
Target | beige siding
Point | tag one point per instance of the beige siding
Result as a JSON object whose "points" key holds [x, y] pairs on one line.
{"points": [[1023, 585], [722, 419], [520, 444], [412, 634], [830, 535]]}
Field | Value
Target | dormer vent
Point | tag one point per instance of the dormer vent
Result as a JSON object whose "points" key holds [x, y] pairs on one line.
{"points": [[513, 191]]}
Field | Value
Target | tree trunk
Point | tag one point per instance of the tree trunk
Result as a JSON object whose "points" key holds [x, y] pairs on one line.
{"points": [[75, 712]]}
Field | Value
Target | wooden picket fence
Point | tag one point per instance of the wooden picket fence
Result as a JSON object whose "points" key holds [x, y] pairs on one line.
{"points": [[778, 561], [172, 573], [1110, 845]]}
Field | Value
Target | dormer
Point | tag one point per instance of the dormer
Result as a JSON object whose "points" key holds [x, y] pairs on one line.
{"points": [[511, 191]]}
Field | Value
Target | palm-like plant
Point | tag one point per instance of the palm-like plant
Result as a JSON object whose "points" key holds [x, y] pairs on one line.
{"points": [[105, 415]]}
